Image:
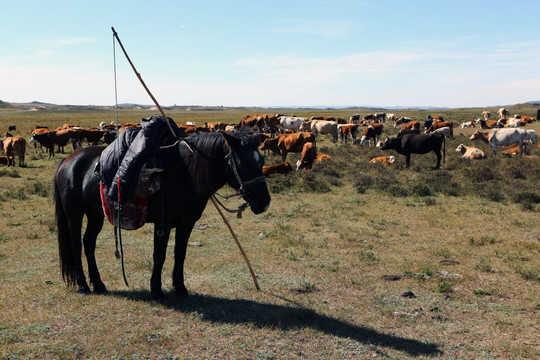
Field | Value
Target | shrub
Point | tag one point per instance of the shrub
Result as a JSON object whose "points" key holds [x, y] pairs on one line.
{"points": [[527, 199], [493, 194], [310, 182], [445, 286], [37, 188], [397, 190], [363, 183], [484, 171], [279, 184], [421, 190], [482, 292]]}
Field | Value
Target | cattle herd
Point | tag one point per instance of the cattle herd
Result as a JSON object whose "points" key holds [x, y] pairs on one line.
{"points": [[283, 134]]}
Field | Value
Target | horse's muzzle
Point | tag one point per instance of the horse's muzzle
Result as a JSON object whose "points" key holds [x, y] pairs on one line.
{"points": [[257, 209], [257, 195]]}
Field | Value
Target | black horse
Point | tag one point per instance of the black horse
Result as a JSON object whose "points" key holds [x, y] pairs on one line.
{"points": [[191, 175]]}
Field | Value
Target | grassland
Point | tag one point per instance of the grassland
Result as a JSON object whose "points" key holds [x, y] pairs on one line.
{"points": [[354, 261]]}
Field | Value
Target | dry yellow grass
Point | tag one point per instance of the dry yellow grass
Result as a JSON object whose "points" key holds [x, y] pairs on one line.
{"points": [[321, 259]]}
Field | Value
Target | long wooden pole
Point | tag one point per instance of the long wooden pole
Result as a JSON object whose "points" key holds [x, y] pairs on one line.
{"points": [[115, 34], [237, 243]]}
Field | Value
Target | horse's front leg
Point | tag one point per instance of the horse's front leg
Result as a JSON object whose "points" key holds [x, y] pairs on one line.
{"points": [[181, 240], [161, 237]]}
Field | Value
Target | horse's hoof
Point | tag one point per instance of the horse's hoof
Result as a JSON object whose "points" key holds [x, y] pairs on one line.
{"points": [[84, 290], [158, 295], [181, 293], [101, 289]]}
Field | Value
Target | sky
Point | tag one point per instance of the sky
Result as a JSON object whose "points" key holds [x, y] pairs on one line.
{"points": [[332, 53]]}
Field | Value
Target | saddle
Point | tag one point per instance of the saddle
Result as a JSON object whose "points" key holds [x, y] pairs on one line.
{"points": [[130, 172]]}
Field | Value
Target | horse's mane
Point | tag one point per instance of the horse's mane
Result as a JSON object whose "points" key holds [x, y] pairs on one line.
{"points": [[208, 158]]}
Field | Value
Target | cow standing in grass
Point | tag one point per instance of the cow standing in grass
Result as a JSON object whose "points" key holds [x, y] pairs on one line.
{"points": [[501, 137], [14, 146], [415, 144], [286, 143]]}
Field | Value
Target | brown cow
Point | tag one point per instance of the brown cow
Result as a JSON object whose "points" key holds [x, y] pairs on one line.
{"points": [[252, 122], [186, 130], [411, 125], [385, 160], [524, 118], [14, 146], [40, 129], [91, 136], [488, 124], [272, 122], [215, 125], [440, 124], [309, 154], [374, 132], [323, 157], [286, 143], [346, 130], [57, 137], [261, 122], [514, 149], [282, 168]]}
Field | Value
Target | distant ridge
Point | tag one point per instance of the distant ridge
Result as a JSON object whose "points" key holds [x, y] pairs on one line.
{"points": [[5, 105], [44, 105], [40, 103]]}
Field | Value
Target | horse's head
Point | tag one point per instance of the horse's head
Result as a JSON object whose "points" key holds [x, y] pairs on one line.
{"points": [[244, 169]]}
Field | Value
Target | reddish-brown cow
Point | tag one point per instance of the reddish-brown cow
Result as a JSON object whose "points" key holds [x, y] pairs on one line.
{"points": [[286, 143], [282, 168], [309, 154]]}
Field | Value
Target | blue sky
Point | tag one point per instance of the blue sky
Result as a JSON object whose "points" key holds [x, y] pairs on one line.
{"points": [[273, 53]]}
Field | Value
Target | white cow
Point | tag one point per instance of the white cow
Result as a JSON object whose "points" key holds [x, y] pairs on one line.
{"points": [[469, 124], [391, 117], [470, 152], [321, 127], [501, 137], [513, 122], [445, 131], [291, 123], [531, 136]]}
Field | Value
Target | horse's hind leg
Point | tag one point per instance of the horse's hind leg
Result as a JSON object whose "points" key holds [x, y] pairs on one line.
{"points": [[94, 226], [75, 226]]}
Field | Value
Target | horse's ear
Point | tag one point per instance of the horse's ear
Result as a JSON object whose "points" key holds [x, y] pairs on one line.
{"points": [[230, 139]]}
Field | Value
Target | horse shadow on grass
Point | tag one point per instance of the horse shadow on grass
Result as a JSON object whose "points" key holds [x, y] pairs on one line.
{"points": [[263, 315]]}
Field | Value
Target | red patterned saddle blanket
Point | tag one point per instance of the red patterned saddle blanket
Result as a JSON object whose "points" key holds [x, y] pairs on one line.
{"points": [[132, 214]]}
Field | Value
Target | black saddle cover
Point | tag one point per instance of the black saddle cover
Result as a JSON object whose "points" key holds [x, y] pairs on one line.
{"points": [[129, 172]]}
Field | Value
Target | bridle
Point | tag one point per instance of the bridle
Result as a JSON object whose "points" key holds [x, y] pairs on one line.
{"points": [[243, 185]]}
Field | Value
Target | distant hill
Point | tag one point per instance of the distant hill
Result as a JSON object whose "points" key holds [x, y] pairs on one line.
{"points": [[5, 105]]}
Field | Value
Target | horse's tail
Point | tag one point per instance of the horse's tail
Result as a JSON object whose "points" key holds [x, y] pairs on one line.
{"points": [[67, 265]]}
